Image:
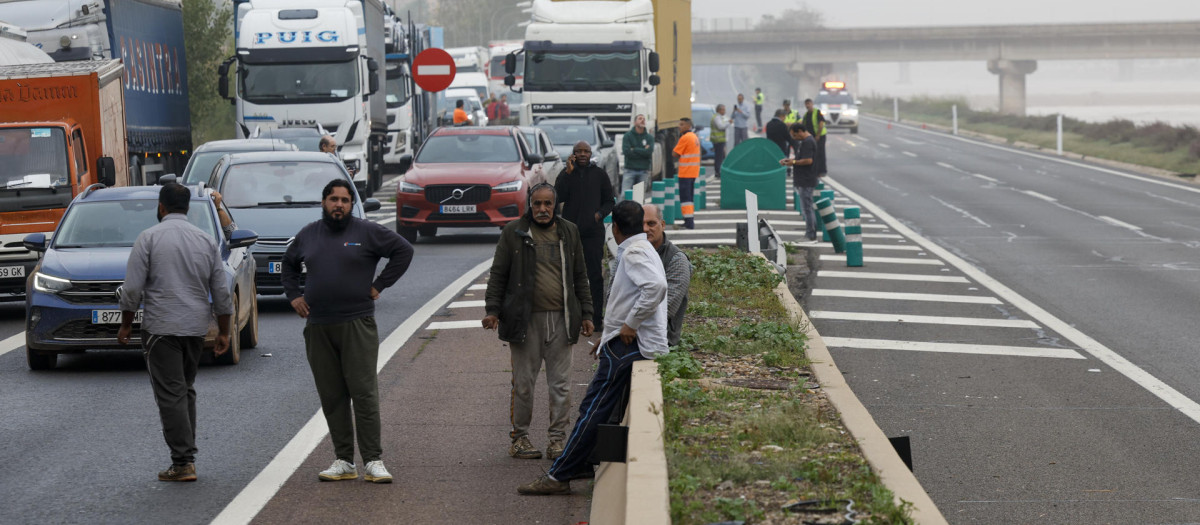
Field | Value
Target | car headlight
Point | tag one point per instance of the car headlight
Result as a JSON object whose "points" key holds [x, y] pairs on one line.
{"points": [[49, 284], [508, 187], [408, 187], [851, 112]]}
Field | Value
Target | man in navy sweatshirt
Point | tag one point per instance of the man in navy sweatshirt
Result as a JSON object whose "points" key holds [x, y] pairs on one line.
{"points": [[340, 253]]}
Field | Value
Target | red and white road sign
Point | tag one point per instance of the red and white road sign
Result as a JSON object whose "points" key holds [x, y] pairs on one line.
{"points": [[433, 69]]}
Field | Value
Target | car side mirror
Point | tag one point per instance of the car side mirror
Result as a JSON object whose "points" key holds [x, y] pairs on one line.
{"points": [[553, 156], [606, 143], [242, 239], [653, 62], [533, 158], [223, 78], [106, 171], [35, 242], [406, 161], [371, 205]]}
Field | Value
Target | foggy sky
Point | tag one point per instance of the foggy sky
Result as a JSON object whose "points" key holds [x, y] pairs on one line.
{"points": [[863, 13]]}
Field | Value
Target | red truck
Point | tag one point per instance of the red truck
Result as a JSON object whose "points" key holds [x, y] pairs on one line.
{"points": [[62, 129]]}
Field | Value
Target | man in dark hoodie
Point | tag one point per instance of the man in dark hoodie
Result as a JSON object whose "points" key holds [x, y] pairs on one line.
{"points": [[638, 147], [538, 297], [586, 196]]}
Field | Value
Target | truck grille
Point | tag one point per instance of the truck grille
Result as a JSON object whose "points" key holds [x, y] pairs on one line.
{"points": [[471, 193], [616, 118], [91, 292]]}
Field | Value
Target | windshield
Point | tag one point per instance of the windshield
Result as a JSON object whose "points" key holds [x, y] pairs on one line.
{"points": [[835, 97], [304, 143], [397, 91], [277, 183], [468, 148], [118, 223], [702, 116], [498, 66], [289, 83], [551, 71], [33, 158], [564, 134], [199, 169]]}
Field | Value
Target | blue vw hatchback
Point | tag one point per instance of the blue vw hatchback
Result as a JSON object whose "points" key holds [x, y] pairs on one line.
{"points": [[70, 301]]}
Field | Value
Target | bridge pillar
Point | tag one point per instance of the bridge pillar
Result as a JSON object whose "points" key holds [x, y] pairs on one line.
{"points": [[1012, 83], [809, 77]]}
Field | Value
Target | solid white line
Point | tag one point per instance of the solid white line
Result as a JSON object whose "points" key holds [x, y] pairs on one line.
{"points": [[702, 213], [466, 304], [12, 343], [704, 242], [910, 154], [387, 220], [884, 260], [255, 495], [1046, 198], [899, 296], [953, 348], [947, 166], [882, 236], [454, 325], [897, 247], [1154, 385], [985, 177], [478, 287], [1121, 224], [923, 319], [894, 276]]}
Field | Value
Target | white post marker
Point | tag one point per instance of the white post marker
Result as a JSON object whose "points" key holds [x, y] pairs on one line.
{"points": [[752, 222], [954, 117], [1060, 134], [895, 109]]}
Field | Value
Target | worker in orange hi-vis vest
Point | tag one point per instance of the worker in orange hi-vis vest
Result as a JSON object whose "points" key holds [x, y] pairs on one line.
{"points": [[687, 157]]}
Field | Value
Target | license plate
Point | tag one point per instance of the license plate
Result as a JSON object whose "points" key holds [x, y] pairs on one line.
{"points": [[277, 267], [458, 208], [12, 271], [113, 317]]}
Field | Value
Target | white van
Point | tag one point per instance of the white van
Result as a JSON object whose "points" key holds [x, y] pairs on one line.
{"points": [[476, 81]]}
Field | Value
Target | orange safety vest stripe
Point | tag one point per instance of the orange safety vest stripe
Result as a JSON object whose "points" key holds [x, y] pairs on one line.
{"points": [[689, 156]]}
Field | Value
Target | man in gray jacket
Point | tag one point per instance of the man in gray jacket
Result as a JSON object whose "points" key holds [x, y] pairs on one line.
{"points": [[539, 297]]}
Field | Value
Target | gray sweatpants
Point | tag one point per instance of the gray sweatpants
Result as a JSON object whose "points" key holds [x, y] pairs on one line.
{"points": [[343, 358], [172, 361], [545, 341]]}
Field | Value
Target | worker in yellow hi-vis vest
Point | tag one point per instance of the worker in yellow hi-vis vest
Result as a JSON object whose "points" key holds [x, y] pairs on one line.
{"points": [[790, 116], [687, 157], [814, 122], [759, 99]]}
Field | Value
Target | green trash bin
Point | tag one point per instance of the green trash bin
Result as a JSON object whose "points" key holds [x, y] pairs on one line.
{"points": [[754, 165]]}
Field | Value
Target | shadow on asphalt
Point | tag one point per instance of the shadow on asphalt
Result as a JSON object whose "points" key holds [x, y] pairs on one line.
{"points": [[460, 238], [99, 361]]}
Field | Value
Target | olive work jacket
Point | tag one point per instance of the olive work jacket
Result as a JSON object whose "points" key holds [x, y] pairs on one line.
{"points": [[510, 285]]}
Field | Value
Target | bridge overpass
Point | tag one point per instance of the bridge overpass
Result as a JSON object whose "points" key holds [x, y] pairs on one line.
{"points": [[1011, 52]]}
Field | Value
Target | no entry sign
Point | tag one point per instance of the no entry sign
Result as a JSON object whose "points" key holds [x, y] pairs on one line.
{"points": [[433, 69]]}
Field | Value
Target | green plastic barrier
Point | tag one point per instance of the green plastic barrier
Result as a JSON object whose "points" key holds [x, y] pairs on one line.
{"points": [[754, 165]]}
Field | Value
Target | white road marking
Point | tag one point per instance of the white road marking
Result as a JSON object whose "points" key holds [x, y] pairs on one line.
{"points": [[478, 287], [917, 346], [910, 154], [947, 166], [864, 139], [884, 146], [466, 304], [985, 177], [923, 319], [893, 276], [704, 242], [894, 247], [899, 296], [884, 260], [1154, 385], [882, 236], [255, 495], [12, 343], [701, 213], [1120, 224], [454, 325], [1046, 198]]}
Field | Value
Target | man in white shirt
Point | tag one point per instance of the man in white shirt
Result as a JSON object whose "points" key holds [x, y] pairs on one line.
{"points": [[635, 328]]}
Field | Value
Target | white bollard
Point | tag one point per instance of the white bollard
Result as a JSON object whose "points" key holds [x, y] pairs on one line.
{"points": [[1060, 134], [895, 109], [954, 117]]}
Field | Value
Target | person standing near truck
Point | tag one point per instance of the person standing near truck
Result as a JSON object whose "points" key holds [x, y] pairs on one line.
{"points": [[638, 147], [687, 155], [716, 135], [804, 177], [759, 100], [741, 120], [586, 195], [814, 122], [460, 114]]}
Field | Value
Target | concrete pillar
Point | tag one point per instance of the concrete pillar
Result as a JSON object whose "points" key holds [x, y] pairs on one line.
{"points": [[1012, 83], [905, 73]]}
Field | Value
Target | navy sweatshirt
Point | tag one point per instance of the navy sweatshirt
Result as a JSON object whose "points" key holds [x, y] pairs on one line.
{"points": [[341, 268]]}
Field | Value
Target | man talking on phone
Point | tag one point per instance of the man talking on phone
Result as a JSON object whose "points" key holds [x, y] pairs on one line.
{"points": [[586, 196]]}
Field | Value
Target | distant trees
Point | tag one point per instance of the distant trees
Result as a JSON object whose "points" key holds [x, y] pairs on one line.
{"points": [[208, 40]]}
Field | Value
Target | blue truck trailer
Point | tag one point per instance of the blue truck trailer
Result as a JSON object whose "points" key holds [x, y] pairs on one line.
{"points": [[147, 36]]}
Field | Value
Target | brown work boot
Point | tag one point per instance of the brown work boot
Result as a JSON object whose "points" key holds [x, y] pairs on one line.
{"points": [[544, 486], [179, 473], [523, 449], [554, 449]]}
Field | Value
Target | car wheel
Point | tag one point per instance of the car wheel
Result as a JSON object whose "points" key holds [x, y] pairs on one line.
{"points": [[249, 334], [409, 234], [234, 354], [427, 231], [38, 360]]}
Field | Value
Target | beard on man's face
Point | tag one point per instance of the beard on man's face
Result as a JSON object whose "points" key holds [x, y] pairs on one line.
{"points": [[337, 224]]}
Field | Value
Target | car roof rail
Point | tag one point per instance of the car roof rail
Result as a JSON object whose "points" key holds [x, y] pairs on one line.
{"points": [[88, 190]]}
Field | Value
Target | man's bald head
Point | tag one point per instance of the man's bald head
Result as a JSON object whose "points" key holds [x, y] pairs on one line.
{"points": [[652, 224], [328, 144]]}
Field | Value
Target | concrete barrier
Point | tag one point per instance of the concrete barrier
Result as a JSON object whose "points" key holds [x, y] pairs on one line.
{"points": [[635, 492]]}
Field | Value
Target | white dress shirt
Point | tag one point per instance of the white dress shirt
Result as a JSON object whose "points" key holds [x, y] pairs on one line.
{"points": [[638, 297]]}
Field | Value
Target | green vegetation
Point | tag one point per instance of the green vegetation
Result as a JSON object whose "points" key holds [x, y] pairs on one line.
{"points": [[743, 453], [208, 40], [1158, 145]]}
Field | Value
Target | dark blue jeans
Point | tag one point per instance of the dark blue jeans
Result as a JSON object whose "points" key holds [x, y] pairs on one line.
{"points": [[605, 392]]}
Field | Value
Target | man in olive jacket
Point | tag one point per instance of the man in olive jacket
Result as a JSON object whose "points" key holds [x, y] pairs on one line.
{"points": [[539, 298]]}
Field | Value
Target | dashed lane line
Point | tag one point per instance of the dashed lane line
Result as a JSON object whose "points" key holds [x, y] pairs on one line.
{"points": [[953, 348], [466, 304], [899, 296], [884, 260], [922, 319], [454, 325], [482, 286], [893, 276], [984, 177], [12, 343], [910, 154], [1035, 194], [1119, 223]]}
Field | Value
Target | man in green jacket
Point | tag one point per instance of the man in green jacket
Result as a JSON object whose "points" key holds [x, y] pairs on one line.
{"points": [[539, 298], [638, 147]]}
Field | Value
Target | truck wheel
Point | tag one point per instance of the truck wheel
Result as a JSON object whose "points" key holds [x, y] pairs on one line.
{"points": [[234, 354], [427, 231], [38, 360], [409, 234], [249, 334]]}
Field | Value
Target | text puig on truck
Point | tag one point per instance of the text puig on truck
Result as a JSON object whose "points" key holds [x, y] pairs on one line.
{"points": [[318, 61], [601, 58]]}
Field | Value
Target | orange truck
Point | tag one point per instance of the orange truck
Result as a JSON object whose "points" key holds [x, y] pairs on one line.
{"points": [[62, 129]]}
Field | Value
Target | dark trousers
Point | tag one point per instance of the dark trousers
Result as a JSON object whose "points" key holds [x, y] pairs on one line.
{"points": [[593, 255], [758, 114], [172, 361], [604, 396], [739, 135], [808, 211], [718, 157], [687, 204], [343, 359], [819, 159]]}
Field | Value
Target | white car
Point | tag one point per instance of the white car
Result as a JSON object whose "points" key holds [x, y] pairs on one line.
{"points": [[476, 115], [552, 161]]}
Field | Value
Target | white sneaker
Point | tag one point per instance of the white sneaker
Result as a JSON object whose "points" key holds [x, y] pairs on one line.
{"points": [[375, 472], [339, 470]]}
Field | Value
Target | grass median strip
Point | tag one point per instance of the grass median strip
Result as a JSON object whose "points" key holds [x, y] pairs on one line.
{"points": [[749, 436]]}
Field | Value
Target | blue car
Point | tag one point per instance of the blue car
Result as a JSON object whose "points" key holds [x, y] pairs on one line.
{"points": [[70, 297], [702, 115]]}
